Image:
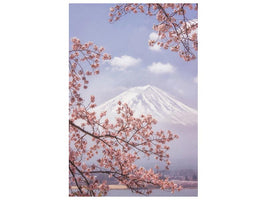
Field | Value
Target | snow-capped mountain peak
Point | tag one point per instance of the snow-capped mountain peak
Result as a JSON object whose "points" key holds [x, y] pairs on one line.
{"points": [[151, 100]]}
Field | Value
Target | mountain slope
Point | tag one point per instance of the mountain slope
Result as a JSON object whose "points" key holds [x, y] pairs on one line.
{"points": [[152, 100]]}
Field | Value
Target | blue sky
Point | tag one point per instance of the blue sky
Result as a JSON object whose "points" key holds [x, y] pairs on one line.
{"points": [[134, 63]]}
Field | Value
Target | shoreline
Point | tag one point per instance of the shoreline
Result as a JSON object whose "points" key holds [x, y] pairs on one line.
{"points": [[184, 184], [118, 187]]}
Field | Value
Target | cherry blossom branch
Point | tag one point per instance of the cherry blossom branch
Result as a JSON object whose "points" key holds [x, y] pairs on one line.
{"points": [[174, 27], [86, 132], [88, 184], [75, 180], [167, 15]]}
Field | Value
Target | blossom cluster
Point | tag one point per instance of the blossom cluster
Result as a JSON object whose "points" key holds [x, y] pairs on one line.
{"points": [[116, 147], [84, 60], [175, 31]]}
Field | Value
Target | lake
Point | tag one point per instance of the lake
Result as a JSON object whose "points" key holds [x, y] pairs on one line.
{"points": [[156, 192]]}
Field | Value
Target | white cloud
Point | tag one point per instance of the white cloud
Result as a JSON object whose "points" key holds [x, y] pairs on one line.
{"points": [[195, 80], [154, 36], [156, 47], [160, 68], [123, 62]]}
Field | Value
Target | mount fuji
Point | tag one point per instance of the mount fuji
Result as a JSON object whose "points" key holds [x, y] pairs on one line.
{"points": [[152, 100]]}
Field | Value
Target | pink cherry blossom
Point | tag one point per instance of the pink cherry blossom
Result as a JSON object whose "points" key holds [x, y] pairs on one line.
{"points": [[175, 30], [92, 99], [115, 161]]}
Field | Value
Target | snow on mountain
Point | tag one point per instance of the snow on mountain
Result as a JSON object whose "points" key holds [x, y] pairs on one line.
{"points": [[151, 100]]}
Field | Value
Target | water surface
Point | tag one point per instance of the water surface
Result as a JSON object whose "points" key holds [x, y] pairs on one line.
{"points": [[155, 192]]}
